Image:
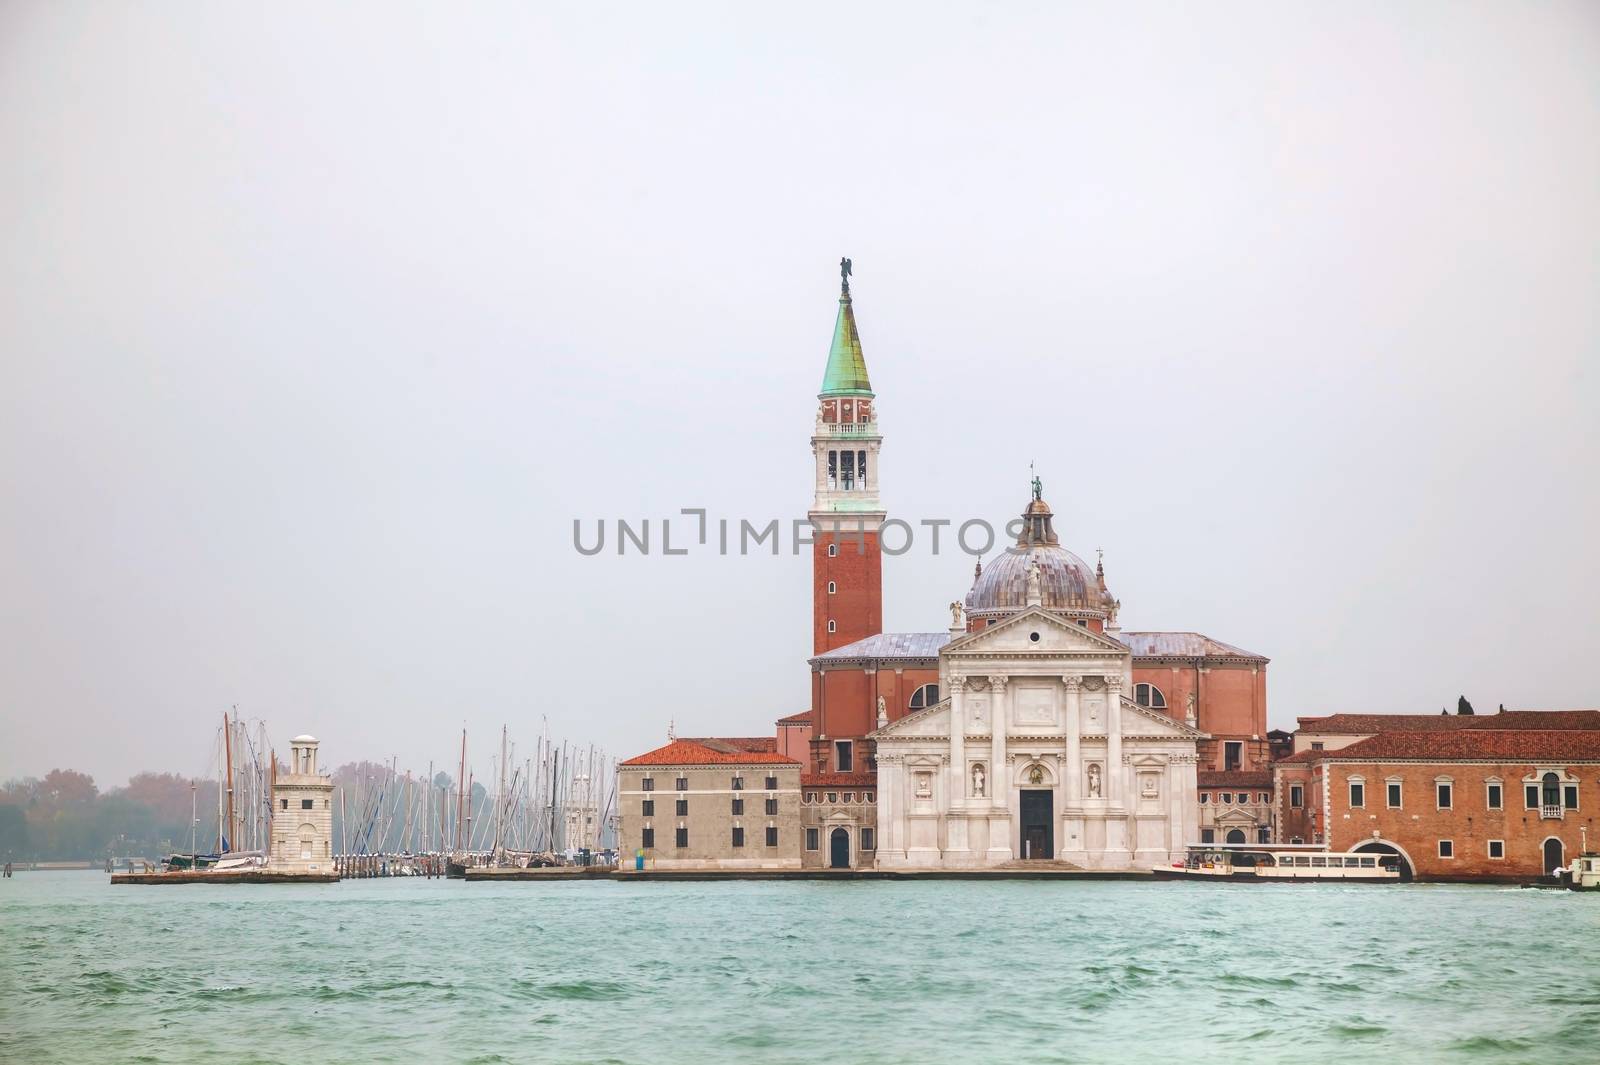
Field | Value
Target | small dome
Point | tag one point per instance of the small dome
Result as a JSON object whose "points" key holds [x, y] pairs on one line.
{"points": [[304, 740], [1066, 582]]}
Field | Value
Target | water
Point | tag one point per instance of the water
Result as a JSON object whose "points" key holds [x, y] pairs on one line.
{"points": [[946, 971]]}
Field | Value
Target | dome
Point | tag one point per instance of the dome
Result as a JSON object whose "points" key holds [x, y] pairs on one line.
{"points": [[304, 739], [1066, 582]]}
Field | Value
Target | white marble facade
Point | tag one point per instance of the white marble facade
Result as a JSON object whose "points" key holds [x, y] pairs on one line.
{"points": [[1036, 751]]}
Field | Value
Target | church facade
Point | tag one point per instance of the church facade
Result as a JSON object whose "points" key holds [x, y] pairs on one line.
{"points": [[1033, 728]]}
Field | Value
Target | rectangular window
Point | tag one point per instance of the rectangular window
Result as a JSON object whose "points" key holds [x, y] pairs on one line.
{"points": [[1262, 835], [1530, 796], [309, 804], [849, 469], [772, 783], [867, 841], [811, 839], [682, 784], [647, 807], [738, 784], [842, 756], [772, 807], [772, 835], [1297, 796], [647, 784], [1208, 835], [833, 476], [1394, 795], [1446, 794], [647, 838], [1316, 745], [1358, 794], [738, 806], [738, 835], [1497, 849], [681, 837], [682, 808], [283, 804], [1569, 796], [1496, 798], [1232, 754], [1447, 848]]}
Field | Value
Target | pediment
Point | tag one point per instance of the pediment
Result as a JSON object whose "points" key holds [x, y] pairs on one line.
{"points": [[1142, 721], [932, 723], [1015, 634]]}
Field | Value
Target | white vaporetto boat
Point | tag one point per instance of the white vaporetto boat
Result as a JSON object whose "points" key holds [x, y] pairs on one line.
{"points": [[1285, 862]]}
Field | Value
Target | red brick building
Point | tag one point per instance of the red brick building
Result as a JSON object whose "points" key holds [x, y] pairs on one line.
{"points": [[1495, 797]]}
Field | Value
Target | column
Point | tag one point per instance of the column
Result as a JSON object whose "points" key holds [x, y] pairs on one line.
{"points": [[958, 742], [1114, 739], [999, 775], [1072, 775], [999, 714]]}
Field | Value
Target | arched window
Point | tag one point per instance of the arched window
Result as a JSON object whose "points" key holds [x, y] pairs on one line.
{"points": [[924, 697], [1552, 789], [1149, 695], [1235, 835]]}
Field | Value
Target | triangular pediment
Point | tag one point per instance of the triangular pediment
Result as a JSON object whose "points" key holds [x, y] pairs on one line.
{"points": [[1142, 721], [932, 723], [1015, 634]]}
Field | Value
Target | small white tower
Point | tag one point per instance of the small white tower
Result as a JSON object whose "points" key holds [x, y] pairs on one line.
{"points": [[302, 814]]}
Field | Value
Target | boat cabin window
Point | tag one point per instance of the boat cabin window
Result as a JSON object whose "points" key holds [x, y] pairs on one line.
{"points": [[1319, 862]]}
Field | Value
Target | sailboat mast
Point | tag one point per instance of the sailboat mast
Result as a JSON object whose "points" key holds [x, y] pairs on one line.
{"points": [[231, 836], [461, 789]]}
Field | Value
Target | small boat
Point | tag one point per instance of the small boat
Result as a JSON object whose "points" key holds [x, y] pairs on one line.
{"points": [[1280, 863], [191, 861]]}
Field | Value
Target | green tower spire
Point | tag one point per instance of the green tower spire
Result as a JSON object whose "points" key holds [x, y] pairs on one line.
{"points": [[847, 367]]}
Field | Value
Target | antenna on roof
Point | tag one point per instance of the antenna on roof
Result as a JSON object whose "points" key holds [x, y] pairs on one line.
{"points": [[672, 730]]}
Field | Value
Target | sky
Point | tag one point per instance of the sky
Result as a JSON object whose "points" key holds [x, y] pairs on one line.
{"points": [[320, 325]]}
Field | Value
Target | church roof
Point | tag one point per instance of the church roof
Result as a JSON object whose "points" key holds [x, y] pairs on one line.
{"points": [[1181, 645], [802, 718], [847, 367], [887, 645]]}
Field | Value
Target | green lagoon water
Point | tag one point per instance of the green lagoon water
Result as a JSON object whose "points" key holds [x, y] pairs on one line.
{"points": [[422, 971]]}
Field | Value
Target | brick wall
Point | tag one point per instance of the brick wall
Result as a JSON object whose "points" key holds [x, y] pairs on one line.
{"points": [[1418, 824]]}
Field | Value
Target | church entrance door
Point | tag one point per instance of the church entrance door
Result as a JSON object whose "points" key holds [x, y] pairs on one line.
{"points": [[839, 849], [1038, 834]]}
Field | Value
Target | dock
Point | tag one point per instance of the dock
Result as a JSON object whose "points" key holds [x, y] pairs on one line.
{"points": [[227, 876]]}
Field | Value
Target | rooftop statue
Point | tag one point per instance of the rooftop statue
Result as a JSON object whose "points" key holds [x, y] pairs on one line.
{"points": [[844, 277]]}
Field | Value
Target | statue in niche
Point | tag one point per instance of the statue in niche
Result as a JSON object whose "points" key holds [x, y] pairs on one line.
{"points": [[1188, 711], [977, 780], [1148, 788], [1035, 574], [1094, 780], [1036, 775], [883, 712], [924, 785]]}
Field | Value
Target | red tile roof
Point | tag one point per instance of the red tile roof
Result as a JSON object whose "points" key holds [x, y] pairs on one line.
{"points": [[1361, 724], [712, 751], [1544, 720], [754, 744], [1236, 778], [839, 780], [802, 718], [1502, 745], [1302, 758]]}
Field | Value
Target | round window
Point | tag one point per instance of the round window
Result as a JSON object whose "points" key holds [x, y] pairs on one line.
{"points": [[1034, 636]]}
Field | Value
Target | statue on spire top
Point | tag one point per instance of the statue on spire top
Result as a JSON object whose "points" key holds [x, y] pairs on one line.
{"points": [[844, 277]]}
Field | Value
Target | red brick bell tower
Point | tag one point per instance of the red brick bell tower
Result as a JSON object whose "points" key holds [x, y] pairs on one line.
{"points": [[847, 565]]}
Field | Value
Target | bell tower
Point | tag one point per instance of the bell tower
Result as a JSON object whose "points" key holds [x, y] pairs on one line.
{"points": [[847, 564]]}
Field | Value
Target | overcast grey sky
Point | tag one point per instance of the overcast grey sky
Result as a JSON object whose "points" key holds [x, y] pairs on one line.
{"points": [[320, 325]]}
